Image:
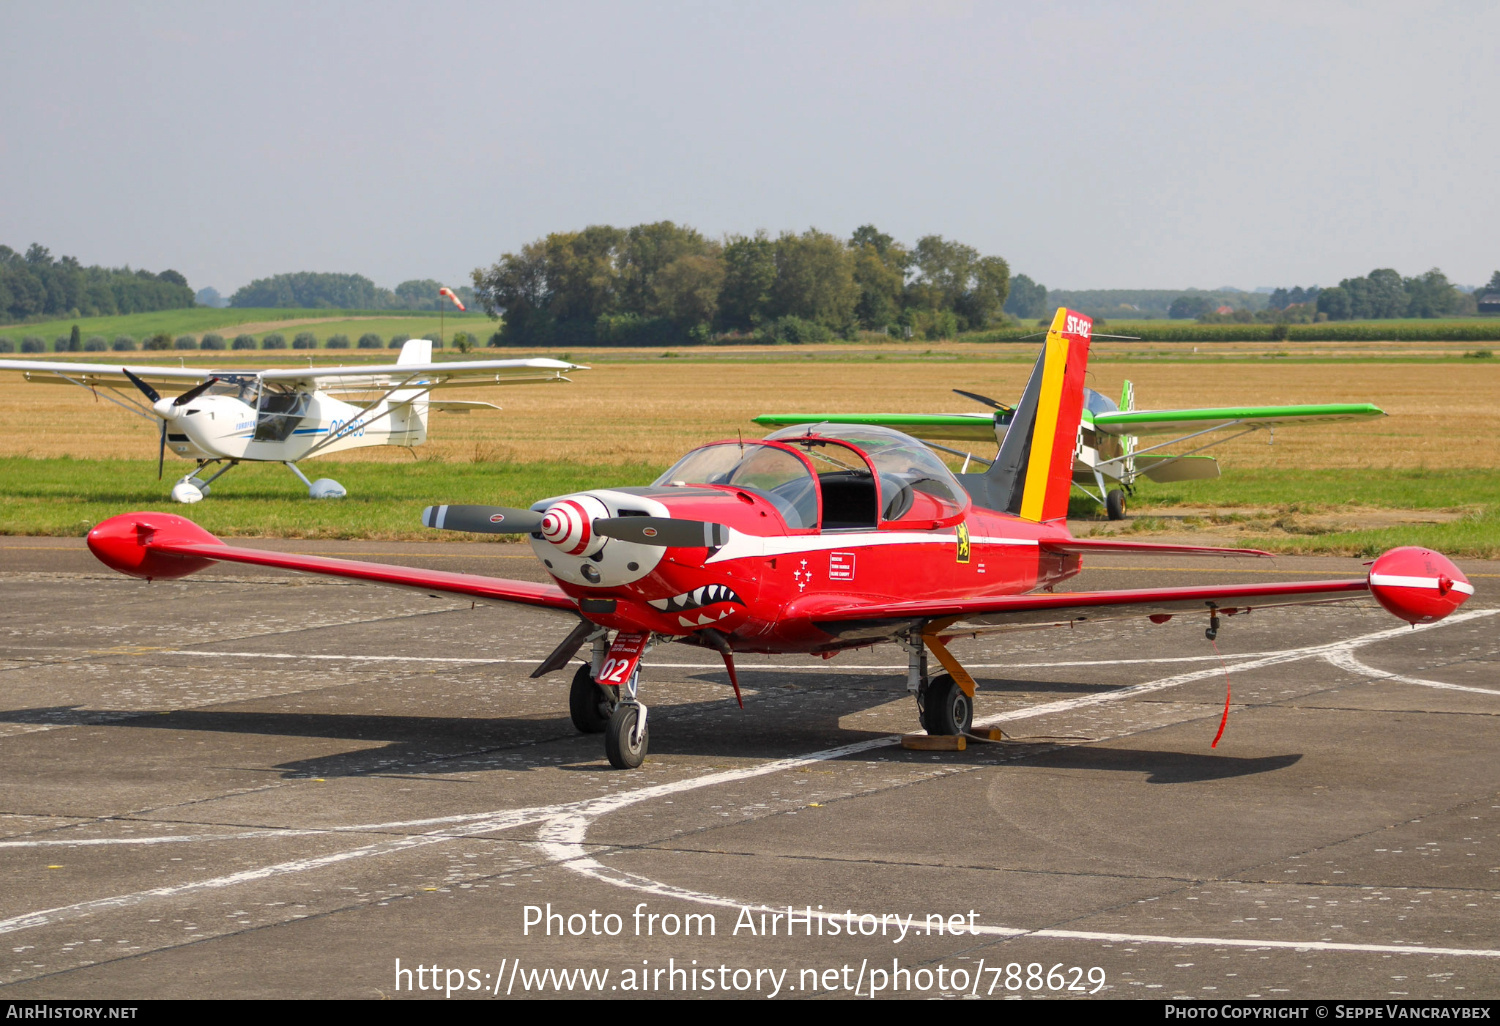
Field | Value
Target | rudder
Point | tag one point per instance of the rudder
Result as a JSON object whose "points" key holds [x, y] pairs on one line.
{"points": [[1033, 473]]}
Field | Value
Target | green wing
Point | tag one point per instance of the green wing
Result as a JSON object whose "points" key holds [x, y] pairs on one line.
{"points": [[1157, 422]]}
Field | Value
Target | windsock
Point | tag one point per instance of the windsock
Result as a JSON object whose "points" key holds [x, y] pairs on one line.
{"points": [[445, 291]]}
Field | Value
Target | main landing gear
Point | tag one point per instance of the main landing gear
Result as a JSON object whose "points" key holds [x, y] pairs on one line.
{"points": [[944, 705], [322, 488], [1114, 504]]}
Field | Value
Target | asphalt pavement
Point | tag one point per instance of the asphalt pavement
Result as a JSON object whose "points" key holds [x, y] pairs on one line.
{"points": [[254, 784]]}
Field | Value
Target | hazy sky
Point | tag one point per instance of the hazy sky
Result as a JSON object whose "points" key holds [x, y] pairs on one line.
{"points": [[1091, 145]]}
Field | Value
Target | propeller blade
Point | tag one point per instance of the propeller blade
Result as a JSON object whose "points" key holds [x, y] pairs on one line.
{"points": [[993, 404], [150, 392], [482, 519], [194, 392], [664, 531], [161, 452]]}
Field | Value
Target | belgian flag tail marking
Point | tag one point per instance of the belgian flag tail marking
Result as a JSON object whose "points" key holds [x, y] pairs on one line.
{"points": [[1033, 473]]}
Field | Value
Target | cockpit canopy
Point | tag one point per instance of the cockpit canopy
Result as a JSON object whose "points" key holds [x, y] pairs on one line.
{"points": [[858, 476], [1095, 402]]}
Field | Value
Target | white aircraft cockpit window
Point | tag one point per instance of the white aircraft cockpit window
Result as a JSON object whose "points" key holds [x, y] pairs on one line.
{"points": [[279, 414], [770, 472], [246, 390]]}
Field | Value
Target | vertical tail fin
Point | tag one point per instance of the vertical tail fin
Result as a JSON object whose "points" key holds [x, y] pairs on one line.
{"points": [[409, 416], [1128, 442], [1033, 474], [418, 350]]}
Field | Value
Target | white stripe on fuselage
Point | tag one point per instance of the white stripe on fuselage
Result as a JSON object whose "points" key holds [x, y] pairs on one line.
{"points": [[742, 546]]}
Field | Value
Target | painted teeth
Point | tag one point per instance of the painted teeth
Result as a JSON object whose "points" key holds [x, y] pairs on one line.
{"points": [[698, 597]]}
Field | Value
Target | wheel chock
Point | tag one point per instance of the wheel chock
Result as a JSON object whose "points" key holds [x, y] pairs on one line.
{"points": [[933, 742], [987, 734]]}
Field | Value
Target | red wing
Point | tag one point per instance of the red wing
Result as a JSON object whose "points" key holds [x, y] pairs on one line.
{"points": [[980, 614], [162, 545]]}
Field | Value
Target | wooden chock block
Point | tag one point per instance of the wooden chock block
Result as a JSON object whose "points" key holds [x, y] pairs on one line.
{"points": [[934, 742]]}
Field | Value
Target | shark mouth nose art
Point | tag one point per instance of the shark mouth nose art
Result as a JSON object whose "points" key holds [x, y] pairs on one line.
{"points": [[697, 598]]}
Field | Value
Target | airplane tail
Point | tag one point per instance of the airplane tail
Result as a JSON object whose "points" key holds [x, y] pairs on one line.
{"points": [[1033, 474], [409, 418], [1128, 442]]}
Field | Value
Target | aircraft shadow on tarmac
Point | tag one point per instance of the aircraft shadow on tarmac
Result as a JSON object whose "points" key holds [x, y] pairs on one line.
{"points": [[778, 726]]}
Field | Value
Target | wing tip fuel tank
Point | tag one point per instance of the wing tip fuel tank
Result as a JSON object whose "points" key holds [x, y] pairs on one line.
{"points": [[123, 543], [1418, 585]]}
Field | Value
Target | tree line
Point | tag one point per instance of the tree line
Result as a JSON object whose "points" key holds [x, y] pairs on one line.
{"points": [[664, 282], [38, 285], [317, 290], [1382, 294]]}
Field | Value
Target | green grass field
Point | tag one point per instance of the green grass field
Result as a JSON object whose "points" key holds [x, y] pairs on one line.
{"points": [[198, 320], [65, 497], [1290, 504]]}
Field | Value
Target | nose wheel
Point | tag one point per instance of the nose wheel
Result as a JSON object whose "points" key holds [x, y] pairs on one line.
{"points": [[626, 737]]}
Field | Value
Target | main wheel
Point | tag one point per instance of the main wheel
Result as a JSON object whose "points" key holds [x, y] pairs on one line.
{"points": [[945, 707], [623, 744], [1114, 505], [588, 704]]}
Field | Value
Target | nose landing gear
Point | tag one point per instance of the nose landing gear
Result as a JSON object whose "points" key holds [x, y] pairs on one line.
{"points": [[613, 710]]}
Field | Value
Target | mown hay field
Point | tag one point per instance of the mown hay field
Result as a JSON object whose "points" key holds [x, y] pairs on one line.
{"points": [[1443, 415]]}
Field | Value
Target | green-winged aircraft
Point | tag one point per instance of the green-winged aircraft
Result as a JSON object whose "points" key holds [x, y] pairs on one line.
{"points": [[1108, 450]]}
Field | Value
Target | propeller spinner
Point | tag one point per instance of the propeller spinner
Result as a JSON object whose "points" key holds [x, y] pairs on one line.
{"points": [[166, 413]]}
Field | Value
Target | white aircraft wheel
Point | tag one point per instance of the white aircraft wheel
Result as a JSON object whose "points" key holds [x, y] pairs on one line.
{"points": [[588, 704], [187, 492], [1114, 505], [625, 747], [945, 709], [326, 488]]}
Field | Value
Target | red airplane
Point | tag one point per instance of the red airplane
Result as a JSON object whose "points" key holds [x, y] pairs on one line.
{"points": [[816, 539]]}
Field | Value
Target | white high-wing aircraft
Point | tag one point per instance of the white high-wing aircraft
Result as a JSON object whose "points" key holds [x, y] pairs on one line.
{"points": [[285, 416]]}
